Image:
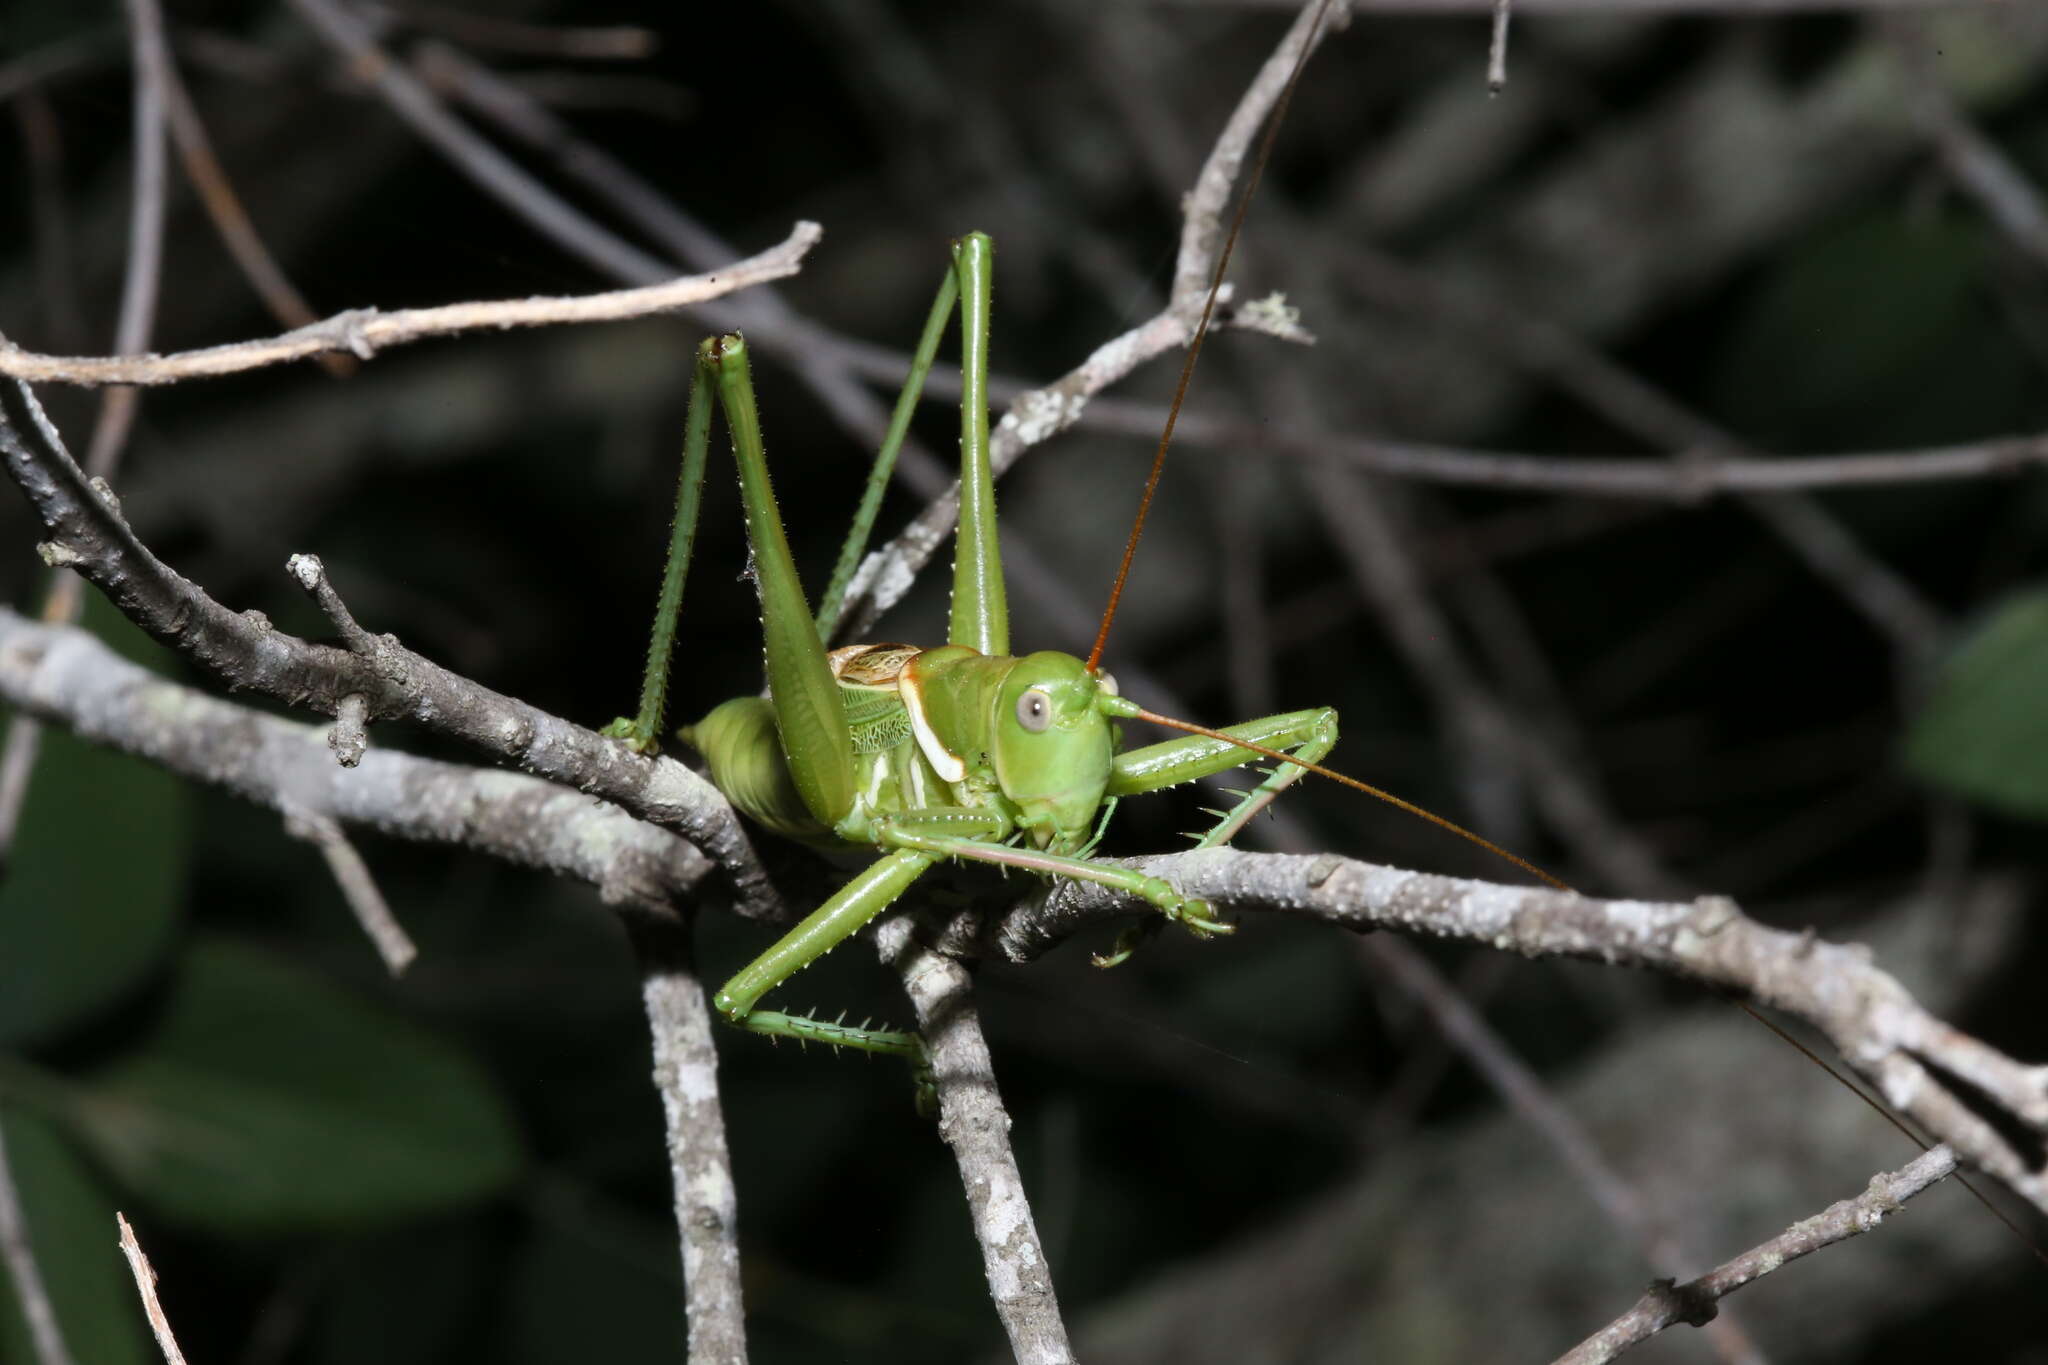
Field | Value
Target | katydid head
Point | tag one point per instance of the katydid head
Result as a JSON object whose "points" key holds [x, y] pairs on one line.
{"points": [[1053, 745]]}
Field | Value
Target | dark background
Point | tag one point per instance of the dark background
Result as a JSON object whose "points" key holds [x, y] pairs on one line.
{"points": [[468, 1164]]}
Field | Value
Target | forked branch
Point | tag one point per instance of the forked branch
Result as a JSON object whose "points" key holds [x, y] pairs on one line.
{"points": [[88, 533], [1938, 1077]]}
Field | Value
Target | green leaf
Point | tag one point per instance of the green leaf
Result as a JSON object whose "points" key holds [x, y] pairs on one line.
{"points": [[1984, 733], [264, 1100], [1873, 330], [97, 875], [77, 1250]]}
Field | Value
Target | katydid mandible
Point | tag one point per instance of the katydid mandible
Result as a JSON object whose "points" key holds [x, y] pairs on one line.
{"points": [[962, 752]]}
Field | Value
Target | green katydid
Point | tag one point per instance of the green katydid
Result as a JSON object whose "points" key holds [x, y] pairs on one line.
{"points": [[961, 752]]}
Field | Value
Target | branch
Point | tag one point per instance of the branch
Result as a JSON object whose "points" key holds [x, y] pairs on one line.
{"points": [[66, 677], [363, 331], [358, 887], [1692, 477], [246, 651], [975, 1125], [700, 1165], [1931, 1072], [1972, 160], [1697, 1301]]}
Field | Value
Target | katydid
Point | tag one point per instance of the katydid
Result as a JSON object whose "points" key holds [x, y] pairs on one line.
{"points": [[960, 752]]}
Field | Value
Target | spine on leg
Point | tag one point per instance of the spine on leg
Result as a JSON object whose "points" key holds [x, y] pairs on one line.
{"points": [[834, 1033]]}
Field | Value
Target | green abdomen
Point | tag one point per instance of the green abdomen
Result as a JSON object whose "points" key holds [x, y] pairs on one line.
{"points": [[739, 742]]}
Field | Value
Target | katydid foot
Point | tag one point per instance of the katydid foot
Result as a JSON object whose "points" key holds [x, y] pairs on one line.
{"points": [[637, 737], [836, 1034]]}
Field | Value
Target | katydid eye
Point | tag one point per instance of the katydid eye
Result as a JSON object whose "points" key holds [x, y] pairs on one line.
{"points": [[1034, 711], [1105, 682]]}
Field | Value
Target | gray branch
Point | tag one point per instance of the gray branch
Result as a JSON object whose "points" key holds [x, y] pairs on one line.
{"points": [[244, 650], [62, 675], [1697, 1301], [700, 1164], [1926, 1069], [974, 1123]]}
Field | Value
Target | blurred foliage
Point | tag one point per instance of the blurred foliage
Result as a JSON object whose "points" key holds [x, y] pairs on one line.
{"points": [[92, 894], [468, 1164], [70, 1219], [1984, 733], [247, 1106]]}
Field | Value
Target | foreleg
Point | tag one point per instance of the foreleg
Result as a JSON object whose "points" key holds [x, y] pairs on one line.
{"points": [[939, 834], [1308, 735]]}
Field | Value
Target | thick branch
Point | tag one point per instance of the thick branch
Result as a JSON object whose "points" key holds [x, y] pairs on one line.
{"points": [[1936, 1075], [975, 1125], [700, 1164], [62, 675], [246, 651]]}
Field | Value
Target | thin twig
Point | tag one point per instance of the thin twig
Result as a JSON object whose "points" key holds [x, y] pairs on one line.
{"points": [[483, 164], [231, 221], [1688, 479], [1042, 413], [358, 887], [700, 1166], [1497, 50], [311, 575], [143, 275], [31, 70], [145, 1285], [1971, 159], [1885, 597], [45, 1333], [975, 1125], [1373, 547], [1517, 1083], [612, 43], [1697, 1301], [363, 331]]}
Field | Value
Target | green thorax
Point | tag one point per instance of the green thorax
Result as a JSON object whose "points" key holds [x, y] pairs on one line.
{"points": [[931, 730]]}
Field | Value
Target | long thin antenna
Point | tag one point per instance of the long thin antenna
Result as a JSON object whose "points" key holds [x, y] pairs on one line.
{"points": [[1137, 712], [1496, 79], [1187, 368], [1140, 713]]}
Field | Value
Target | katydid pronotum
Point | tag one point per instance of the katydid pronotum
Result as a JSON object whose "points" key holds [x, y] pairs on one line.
{"points": [[961, 752]]}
